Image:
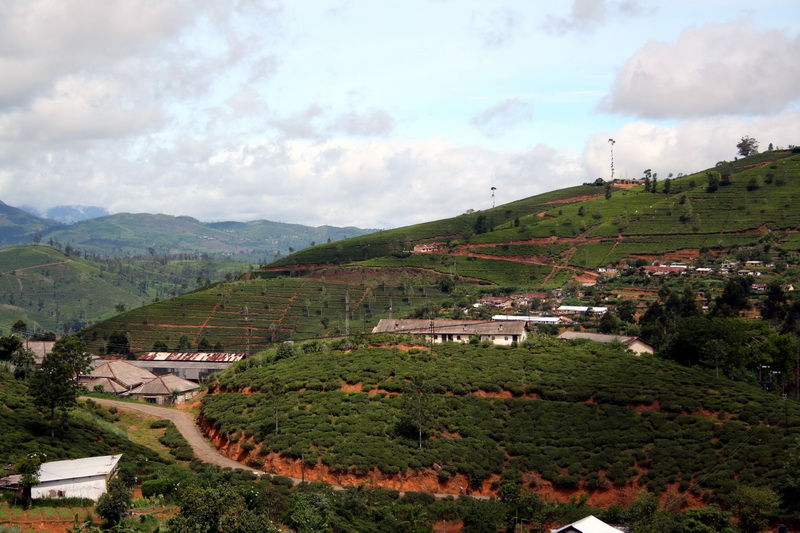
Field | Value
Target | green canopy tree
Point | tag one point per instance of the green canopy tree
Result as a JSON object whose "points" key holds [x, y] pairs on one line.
{"points": [[54, 386]]}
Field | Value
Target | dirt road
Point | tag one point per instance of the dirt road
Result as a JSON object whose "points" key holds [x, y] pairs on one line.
{"points": [[204, 451], [184, 422]]}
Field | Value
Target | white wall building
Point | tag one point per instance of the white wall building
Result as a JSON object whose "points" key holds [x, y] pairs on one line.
{"points": [[76, 478]]}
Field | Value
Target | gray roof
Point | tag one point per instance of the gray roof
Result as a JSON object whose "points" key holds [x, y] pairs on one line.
{"points": [[449, 327], [78, 468], [122, 372], [165, 384], [599, 337]]}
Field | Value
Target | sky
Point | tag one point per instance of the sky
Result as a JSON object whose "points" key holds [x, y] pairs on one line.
{"points": [[378, 114]]}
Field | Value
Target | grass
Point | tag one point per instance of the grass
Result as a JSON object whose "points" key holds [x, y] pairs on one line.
{"points": [[137, 427]]}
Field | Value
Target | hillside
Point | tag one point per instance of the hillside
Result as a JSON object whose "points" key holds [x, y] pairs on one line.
{"points": [[18, 226], [55, 290], [539, 243], [547, 239], [142, 234], [561, 419]]}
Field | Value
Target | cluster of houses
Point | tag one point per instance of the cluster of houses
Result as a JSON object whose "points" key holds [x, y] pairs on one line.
{"points": [[157, 377], [502, 330], [725, 268]]}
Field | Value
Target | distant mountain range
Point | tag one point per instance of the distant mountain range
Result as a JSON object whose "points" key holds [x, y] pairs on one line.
{"points": [[68, 214], [128, 234]]}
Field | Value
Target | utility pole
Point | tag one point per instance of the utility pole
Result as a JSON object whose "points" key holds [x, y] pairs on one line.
{"points": [[612, 142], [347, 314]]}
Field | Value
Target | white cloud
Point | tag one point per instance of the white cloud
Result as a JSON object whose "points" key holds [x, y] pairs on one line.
{"points": [[372, 122], [497, 120], [42, 40], [500, 27], [715, 70], [587, 15], [688, 147]]}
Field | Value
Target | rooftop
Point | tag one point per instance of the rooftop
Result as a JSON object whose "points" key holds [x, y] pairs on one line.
{"points": [[78, 468]]}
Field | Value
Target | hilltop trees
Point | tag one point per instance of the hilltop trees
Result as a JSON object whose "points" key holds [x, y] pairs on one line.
{"points": [[747, 146]]}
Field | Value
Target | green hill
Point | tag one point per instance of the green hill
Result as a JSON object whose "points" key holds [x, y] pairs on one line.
{"points": [[18, 226], [537, 243], [560, 418], [565, 232], [127, 234], [55, 290]]}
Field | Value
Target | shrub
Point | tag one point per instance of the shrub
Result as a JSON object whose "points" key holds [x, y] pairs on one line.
{"points": [[158, 424]]}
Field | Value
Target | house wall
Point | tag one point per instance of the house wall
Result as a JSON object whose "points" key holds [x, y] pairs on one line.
{"points": [[87, 487], [502, 340], [639, 347]]}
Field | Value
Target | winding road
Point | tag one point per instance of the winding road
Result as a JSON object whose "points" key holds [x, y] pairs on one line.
{"points": [[184, 422]]}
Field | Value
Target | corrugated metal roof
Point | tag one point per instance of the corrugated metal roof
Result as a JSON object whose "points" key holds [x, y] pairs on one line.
{"points": [[216, 357], [78, 468], [448, 327]]}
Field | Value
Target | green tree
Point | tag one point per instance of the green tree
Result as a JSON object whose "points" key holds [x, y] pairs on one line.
{"points": [[310, 512], [114, 504], [24, 363], [19, 328], [54, 386], [160, 346], [418, 406], [754, 506], [183, 344], [118, 343], [9, 345], [203, 345], [216, 509], [747, 146], [28, 468]]}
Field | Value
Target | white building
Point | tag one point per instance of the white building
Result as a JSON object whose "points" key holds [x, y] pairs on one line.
{"points": [[634, 344], [76, 478], [590, 524], [441, 331]]}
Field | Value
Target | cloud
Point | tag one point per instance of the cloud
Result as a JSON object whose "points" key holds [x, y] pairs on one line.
{"points": [[500, 27], [337, 182], [495, 121], [715, 70], [688, 147], [373, 122], [42, 40], [79, 109], [587, 15]]}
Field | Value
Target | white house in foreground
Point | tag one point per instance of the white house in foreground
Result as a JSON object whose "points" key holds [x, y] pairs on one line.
{"points": [[441, 331], [76, 478]]}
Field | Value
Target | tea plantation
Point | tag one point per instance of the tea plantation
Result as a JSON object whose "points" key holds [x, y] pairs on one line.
{"points": [[574, 417]]}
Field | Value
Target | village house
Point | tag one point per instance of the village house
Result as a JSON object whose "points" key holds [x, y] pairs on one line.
{"points": [[427, 248], [76, 478], [534, 319], [165, 390], [497, 302], [634, 344], [441, 331], [580, 310], [528, 298], [126, 379]]}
